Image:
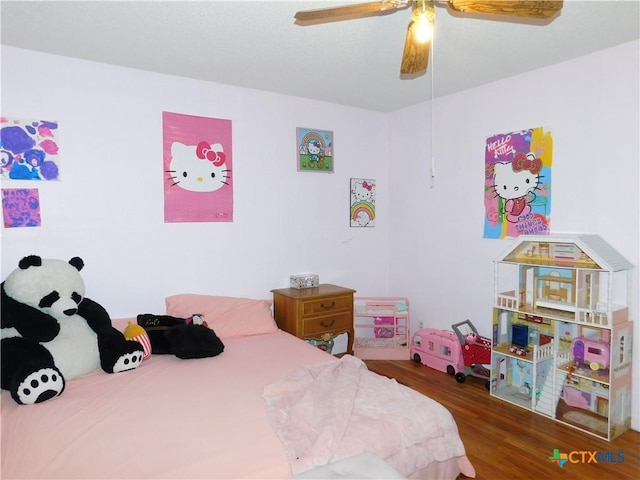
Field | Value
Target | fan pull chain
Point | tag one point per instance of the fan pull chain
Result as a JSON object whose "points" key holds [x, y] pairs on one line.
{"points": [[433, 157], [433, 170]]}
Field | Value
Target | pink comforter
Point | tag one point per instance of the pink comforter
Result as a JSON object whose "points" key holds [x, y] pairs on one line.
{"points": [[327, 412], [169, 418], [202, 418]]}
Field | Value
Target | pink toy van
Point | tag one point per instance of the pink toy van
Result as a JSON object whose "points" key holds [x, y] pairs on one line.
{"points": [[594, 353], [438, 349]]}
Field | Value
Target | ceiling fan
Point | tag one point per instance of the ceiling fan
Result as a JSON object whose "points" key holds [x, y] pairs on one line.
{"points": [[418, 39]]}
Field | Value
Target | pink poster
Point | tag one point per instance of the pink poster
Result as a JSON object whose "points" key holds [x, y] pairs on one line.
{"points": [[21, 207], [197, 163], [517, 183]]}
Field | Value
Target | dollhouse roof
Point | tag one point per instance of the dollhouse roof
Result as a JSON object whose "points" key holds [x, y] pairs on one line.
{"points": [[593, 246]]}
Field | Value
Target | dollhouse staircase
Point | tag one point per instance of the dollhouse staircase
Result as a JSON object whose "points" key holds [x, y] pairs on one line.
{"points": [[551, 392]]}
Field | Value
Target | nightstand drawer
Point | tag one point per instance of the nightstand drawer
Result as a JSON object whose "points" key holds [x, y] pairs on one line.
{"points": [[341, 321], [327, 305]]}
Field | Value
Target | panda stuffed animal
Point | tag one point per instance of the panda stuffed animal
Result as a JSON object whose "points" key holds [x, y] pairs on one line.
{"points": [[52, 333]]}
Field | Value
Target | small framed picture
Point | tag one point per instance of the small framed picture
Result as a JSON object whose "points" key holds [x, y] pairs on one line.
{"points": [[315, 150], [363, 202]]}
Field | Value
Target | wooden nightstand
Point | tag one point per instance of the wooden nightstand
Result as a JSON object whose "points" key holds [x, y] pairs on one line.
{"points": [[313, 312]]}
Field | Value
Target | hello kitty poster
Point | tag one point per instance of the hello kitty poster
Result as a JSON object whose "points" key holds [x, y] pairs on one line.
{"points": [[315, 150], [363, 202], [517, 187], [197, 165]]}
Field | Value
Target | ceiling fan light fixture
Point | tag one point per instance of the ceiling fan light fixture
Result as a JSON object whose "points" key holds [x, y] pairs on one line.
{"points": [[422, 20], [417, 43], [423, 29]]}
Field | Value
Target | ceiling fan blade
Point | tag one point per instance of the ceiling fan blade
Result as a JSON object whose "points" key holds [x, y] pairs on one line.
{"points": [[517, 8], [352, 11], [415, 57], [417, 44]]}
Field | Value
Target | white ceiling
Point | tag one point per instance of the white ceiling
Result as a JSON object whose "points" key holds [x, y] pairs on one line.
{"points": [[256, 44]]}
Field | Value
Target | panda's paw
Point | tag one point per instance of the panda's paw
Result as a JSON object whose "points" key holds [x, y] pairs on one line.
{"points": [[128, 361], [39, 386]]}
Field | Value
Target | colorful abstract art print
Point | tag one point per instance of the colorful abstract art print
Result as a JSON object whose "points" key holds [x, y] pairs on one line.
{"points": [[315, 150], [517, 185], [29, 149], [363, 202], [21, 207], [197, 162]]}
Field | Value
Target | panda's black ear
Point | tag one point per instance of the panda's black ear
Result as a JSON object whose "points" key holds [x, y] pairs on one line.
{"points": [[77, 262], [30, 261]]}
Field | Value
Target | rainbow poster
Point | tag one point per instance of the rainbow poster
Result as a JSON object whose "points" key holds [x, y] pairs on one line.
{"points": [[363, 202], [315, 150], [517, 183]]}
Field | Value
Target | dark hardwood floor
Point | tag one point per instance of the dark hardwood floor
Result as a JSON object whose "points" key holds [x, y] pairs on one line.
{"points": [[507, 442]]}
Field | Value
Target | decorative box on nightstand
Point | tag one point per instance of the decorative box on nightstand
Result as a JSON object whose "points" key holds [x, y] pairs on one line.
{"points": [[310, 313], [304, 280]]}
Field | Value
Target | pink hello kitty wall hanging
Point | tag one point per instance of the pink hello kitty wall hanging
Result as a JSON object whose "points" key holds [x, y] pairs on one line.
{"points": [[197, 162], [517, 189]]}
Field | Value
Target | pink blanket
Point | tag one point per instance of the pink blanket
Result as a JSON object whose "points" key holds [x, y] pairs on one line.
{"points": [[326, 412]]}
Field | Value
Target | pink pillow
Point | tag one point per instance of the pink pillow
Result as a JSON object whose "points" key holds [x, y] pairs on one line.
{"points": [[227, 316]]}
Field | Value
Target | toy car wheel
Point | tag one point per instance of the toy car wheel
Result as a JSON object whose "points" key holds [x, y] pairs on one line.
{"points": [[460, 377], [451, 370], [416, 358]]}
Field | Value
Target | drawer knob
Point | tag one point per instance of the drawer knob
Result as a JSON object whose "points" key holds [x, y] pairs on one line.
{"points": [[333, 304], [328, 324]]}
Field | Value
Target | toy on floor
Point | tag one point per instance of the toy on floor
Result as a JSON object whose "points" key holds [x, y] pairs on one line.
{"points": [[476, 352], [455, 352], [437, 349], [324, 343]]}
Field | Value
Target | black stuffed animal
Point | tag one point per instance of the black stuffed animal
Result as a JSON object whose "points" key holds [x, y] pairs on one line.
{"points": [[52, 333], [180, 337]]}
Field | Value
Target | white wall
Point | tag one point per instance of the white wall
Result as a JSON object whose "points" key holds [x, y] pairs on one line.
{"points": [[108, 208], [438, 257], [427, 244]]}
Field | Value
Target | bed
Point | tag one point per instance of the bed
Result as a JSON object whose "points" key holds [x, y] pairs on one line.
{"points": [[246, 413]]}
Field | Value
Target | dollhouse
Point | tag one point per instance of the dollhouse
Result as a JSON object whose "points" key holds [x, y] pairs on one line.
{"points": [[562, 333]]}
